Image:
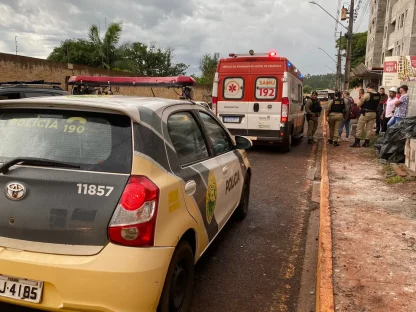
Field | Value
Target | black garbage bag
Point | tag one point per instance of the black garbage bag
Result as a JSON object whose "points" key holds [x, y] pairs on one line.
{"points": [[409, 125], [391, 145]]}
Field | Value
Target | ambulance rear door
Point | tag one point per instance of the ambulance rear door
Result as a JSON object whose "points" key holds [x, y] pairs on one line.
{"points": [[233, 90], [264, 107]]}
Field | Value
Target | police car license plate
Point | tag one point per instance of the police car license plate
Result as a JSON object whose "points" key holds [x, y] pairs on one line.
{"points": [[232, 119], [21, 289]]}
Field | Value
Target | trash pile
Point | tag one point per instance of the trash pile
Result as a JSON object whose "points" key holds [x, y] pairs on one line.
{"points": [[391, 145]]}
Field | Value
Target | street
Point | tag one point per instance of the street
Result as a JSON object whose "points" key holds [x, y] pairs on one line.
{"points": [[256, 265]]}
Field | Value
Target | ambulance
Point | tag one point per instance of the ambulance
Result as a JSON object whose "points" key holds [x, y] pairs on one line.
{"points": [[260, 96]]}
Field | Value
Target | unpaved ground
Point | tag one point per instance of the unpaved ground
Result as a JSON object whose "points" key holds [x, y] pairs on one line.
{"points": [[374, 231]]}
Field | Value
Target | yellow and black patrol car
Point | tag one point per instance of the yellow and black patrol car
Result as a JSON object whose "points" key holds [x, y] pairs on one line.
{"points": [[107, 202]]}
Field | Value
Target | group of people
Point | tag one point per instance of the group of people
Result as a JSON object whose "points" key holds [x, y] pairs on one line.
{"points": [[372, 108]]}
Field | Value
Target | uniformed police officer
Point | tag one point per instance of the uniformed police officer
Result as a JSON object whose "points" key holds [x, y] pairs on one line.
{"points": [[368, 104], [337, 110], [313, 110]]}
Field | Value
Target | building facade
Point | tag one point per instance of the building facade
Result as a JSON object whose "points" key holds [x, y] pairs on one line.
{"points": [[391, 31]]}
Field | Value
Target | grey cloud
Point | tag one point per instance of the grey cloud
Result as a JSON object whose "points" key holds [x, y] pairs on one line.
{"points": [[294, 28]]}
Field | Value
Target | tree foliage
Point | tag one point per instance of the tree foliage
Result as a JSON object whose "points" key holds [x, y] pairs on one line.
{"points": [[307, 89], [208, 66], [316, 82], [358, 48], [107, 52], [149, 60]]}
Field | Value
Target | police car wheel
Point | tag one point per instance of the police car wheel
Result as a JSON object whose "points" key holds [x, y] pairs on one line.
{"points": [[242, 209], [177, 290]]}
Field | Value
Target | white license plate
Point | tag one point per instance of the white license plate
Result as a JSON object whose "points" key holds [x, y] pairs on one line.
{"points": [[20, 289], [232, 119]]}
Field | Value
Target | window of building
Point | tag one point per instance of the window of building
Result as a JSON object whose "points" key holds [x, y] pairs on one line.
{"points": [[398, 51], [382, 58], [402, 21], [406, 13], [385, 32]]}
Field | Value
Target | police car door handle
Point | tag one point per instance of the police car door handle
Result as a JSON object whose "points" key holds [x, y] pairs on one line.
{"points": [[225, 170], [190, 187]]}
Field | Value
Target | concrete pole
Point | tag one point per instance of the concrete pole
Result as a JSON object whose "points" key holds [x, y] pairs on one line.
{"points": [[349, 46], [339, 85]]}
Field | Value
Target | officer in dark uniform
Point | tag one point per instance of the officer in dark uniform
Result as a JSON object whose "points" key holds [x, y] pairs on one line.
{"points": [[337, 110], [368, 104], [313, 110]]}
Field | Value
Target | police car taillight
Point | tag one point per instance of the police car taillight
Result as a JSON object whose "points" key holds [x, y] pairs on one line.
{"points": [[214, 104], [134, 220], [285, 110]]}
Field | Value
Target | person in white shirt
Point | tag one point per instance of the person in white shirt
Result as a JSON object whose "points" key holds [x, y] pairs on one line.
{"points": [[388, 110]]}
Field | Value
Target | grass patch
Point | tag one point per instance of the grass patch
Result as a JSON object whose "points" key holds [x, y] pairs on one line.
{"points": [[396, 179], [388, 169]]}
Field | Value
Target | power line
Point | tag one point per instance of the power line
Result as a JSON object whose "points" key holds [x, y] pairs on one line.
{"points": [[362, 17], [338, 13]]}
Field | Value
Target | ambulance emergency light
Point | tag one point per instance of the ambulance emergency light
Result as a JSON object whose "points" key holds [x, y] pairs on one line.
{"points": [[251, 53]]}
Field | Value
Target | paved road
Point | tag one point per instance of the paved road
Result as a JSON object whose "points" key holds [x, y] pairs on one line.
{"points": [[256, 265]]}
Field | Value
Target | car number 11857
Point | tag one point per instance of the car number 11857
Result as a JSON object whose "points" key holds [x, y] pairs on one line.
{"points": [[20, 289]]}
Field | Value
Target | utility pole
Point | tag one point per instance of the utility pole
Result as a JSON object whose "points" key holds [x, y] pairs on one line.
{"points": [[349, 46], [339, 74]]}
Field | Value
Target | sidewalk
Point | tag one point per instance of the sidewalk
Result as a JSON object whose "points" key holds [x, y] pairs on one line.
{"points": [[373, 233]]}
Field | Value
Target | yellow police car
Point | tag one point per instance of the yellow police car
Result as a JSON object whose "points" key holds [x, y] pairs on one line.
{"points": [[108, 201]]}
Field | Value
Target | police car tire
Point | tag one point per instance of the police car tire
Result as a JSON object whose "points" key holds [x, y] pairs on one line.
{"points": [[242, 209], [182, 263]]}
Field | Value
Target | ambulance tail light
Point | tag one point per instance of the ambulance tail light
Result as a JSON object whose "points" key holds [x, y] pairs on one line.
{"points": [[285, 110], [134, 220], [215, 104]]}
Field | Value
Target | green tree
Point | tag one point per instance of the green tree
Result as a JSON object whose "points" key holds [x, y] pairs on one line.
{"points": [[358, 48], [319, 81], [208, 66], [78, 51], [106, 48], [149, 60], [107, 52], [307, 89]]}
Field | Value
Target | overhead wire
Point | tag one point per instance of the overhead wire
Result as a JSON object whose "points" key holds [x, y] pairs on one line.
{"points": [[362, 16]]}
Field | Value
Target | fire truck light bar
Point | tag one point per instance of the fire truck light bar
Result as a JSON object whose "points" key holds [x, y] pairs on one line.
{"points": [[172, 82]]}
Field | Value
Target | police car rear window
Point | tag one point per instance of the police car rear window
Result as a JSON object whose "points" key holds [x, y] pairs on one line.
{"points": [[93, 141]]}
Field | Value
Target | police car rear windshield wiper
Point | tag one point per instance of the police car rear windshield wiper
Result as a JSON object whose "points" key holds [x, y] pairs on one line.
{"points": [[35, 161]]}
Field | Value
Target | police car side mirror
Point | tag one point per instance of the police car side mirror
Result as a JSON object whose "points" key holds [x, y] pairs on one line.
{"points": [[242, 142]]}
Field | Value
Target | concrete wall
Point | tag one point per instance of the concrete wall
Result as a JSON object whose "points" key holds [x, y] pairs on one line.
{"points": [[412, 97], [400, 38], [375, 34], [410, 153], [23, 68]]}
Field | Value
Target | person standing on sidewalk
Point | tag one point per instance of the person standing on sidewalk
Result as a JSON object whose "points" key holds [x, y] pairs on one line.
{"points": [[347, 117], [337, 110], [401, 105], [369, 104], [313, 110], [388, 111], [380, 109]]}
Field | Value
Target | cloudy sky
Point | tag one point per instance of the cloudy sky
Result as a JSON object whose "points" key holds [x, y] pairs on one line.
{"points": [[294, 28]]}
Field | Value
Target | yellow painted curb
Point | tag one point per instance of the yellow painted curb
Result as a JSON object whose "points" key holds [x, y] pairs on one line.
{"points": [[324, 283]]}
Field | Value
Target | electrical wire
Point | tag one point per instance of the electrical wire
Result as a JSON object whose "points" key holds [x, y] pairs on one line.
{"points": [[336, 23], [366, 8]]}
